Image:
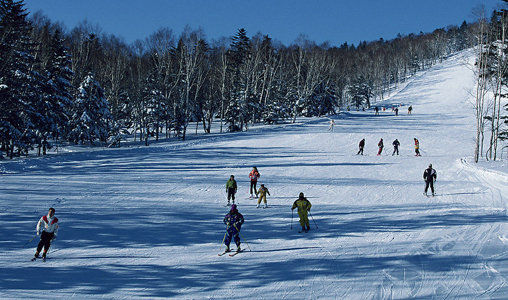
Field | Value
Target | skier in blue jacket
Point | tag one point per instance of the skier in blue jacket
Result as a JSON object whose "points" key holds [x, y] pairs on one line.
{"points": [[234, 221]]}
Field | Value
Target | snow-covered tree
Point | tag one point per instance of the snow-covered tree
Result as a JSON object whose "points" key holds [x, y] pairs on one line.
{"points": [[91, 118], [20, 98]]}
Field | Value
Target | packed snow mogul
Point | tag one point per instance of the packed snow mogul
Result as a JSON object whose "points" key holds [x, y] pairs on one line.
{"points": [[417, 147], [396, 145], [234, 221], [48, 224], [381, 146], [303, 206], [429, 175], [262, 195], [361, 145], [254, 176], [231, 188]]}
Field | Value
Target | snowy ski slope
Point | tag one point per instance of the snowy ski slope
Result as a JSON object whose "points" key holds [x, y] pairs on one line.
{"points": [[147, 221]]}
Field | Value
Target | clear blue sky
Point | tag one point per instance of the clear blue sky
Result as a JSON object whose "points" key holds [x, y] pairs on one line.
{"points": [[336, 21]]}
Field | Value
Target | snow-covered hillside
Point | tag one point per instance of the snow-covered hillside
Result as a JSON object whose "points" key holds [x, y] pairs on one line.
{"points": [[147, 221]]}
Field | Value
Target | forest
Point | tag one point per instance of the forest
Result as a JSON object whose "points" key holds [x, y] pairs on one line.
{"points": [[86, 87]]}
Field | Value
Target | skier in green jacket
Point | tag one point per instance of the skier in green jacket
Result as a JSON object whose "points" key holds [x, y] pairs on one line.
{"points": [[231, 189]]}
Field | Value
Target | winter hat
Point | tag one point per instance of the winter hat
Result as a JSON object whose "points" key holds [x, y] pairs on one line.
{"points": [[233, 207], [301, 196], [430, 166]]}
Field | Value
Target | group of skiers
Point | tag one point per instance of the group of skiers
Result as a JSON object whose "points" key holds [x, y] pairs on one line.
{"points": [[234, 219], [232, 187], [394, 109], [47, 227], [395, 144]]}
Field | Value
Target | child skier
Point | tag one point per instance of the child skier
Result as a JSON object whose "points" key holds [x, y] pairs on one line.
{"points": [[417, 147], [303, 206], [234, 221], [48, 224], [396, 145], [262, 195], [429, 175], [380, 145], [231, 188], [361, 145], [254, 176]]}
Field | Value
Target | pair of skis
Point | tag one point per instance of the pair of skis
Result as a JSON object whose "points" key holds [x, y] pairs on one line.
{"points": [[230, 254], [35, 258]]}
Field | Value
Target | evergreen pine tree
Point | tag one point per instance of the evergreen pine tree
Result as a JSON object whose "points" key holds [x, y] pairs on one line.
{"points": [[91, 119], [19, 97], [237, 110]]}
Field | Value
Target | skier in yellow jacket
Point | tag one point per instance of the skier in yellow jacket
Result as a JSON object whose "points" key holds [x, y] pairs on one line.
{"points": [[303, 206], [262, 195]]}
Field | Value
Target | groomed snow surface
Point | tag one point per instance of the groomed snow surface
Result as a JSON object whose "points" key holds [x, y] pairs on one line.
{"points": [[147, 221]]}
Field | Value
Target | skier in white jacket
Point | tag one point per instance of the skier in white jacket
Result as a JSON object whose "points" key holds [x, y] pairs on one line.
{"points": [[48, 224]]}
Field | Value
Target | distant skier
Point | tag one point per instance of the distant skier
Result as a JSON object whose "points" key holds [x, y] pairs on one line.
{"points": [[332, 123], [381, 146], [429, 176], [231, 188], [396, 111], [409, 109], [361, 145], [376, 109], [234, 221], [48, 224], [417, 147], [303, 206], [262, 195], [396, 145], [254, 176]]}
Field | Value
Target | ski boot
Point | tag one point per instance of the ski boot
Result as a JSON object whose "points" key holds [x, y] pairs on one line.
{"points": [[307, 229], [44, 257], [257, 206], [266, 206], [303, 230], [227, 250], [238, 249]]}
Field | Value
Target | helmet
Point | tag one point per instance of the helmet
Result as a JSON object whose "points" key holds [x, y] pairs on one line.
{"points": [[301, 195]]}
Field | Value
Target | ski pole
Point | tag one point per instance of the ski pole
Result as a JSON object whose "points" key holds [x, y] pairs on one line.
{"points": [[242, 238], [30, 240], [292, 211], [224, 238], [313, 220]]}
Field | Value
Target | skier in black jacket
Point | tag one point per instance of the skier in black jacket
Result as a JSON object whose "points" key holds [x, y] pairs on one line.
{"points": [[361, 145], [396, 145], [429, 176]]}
